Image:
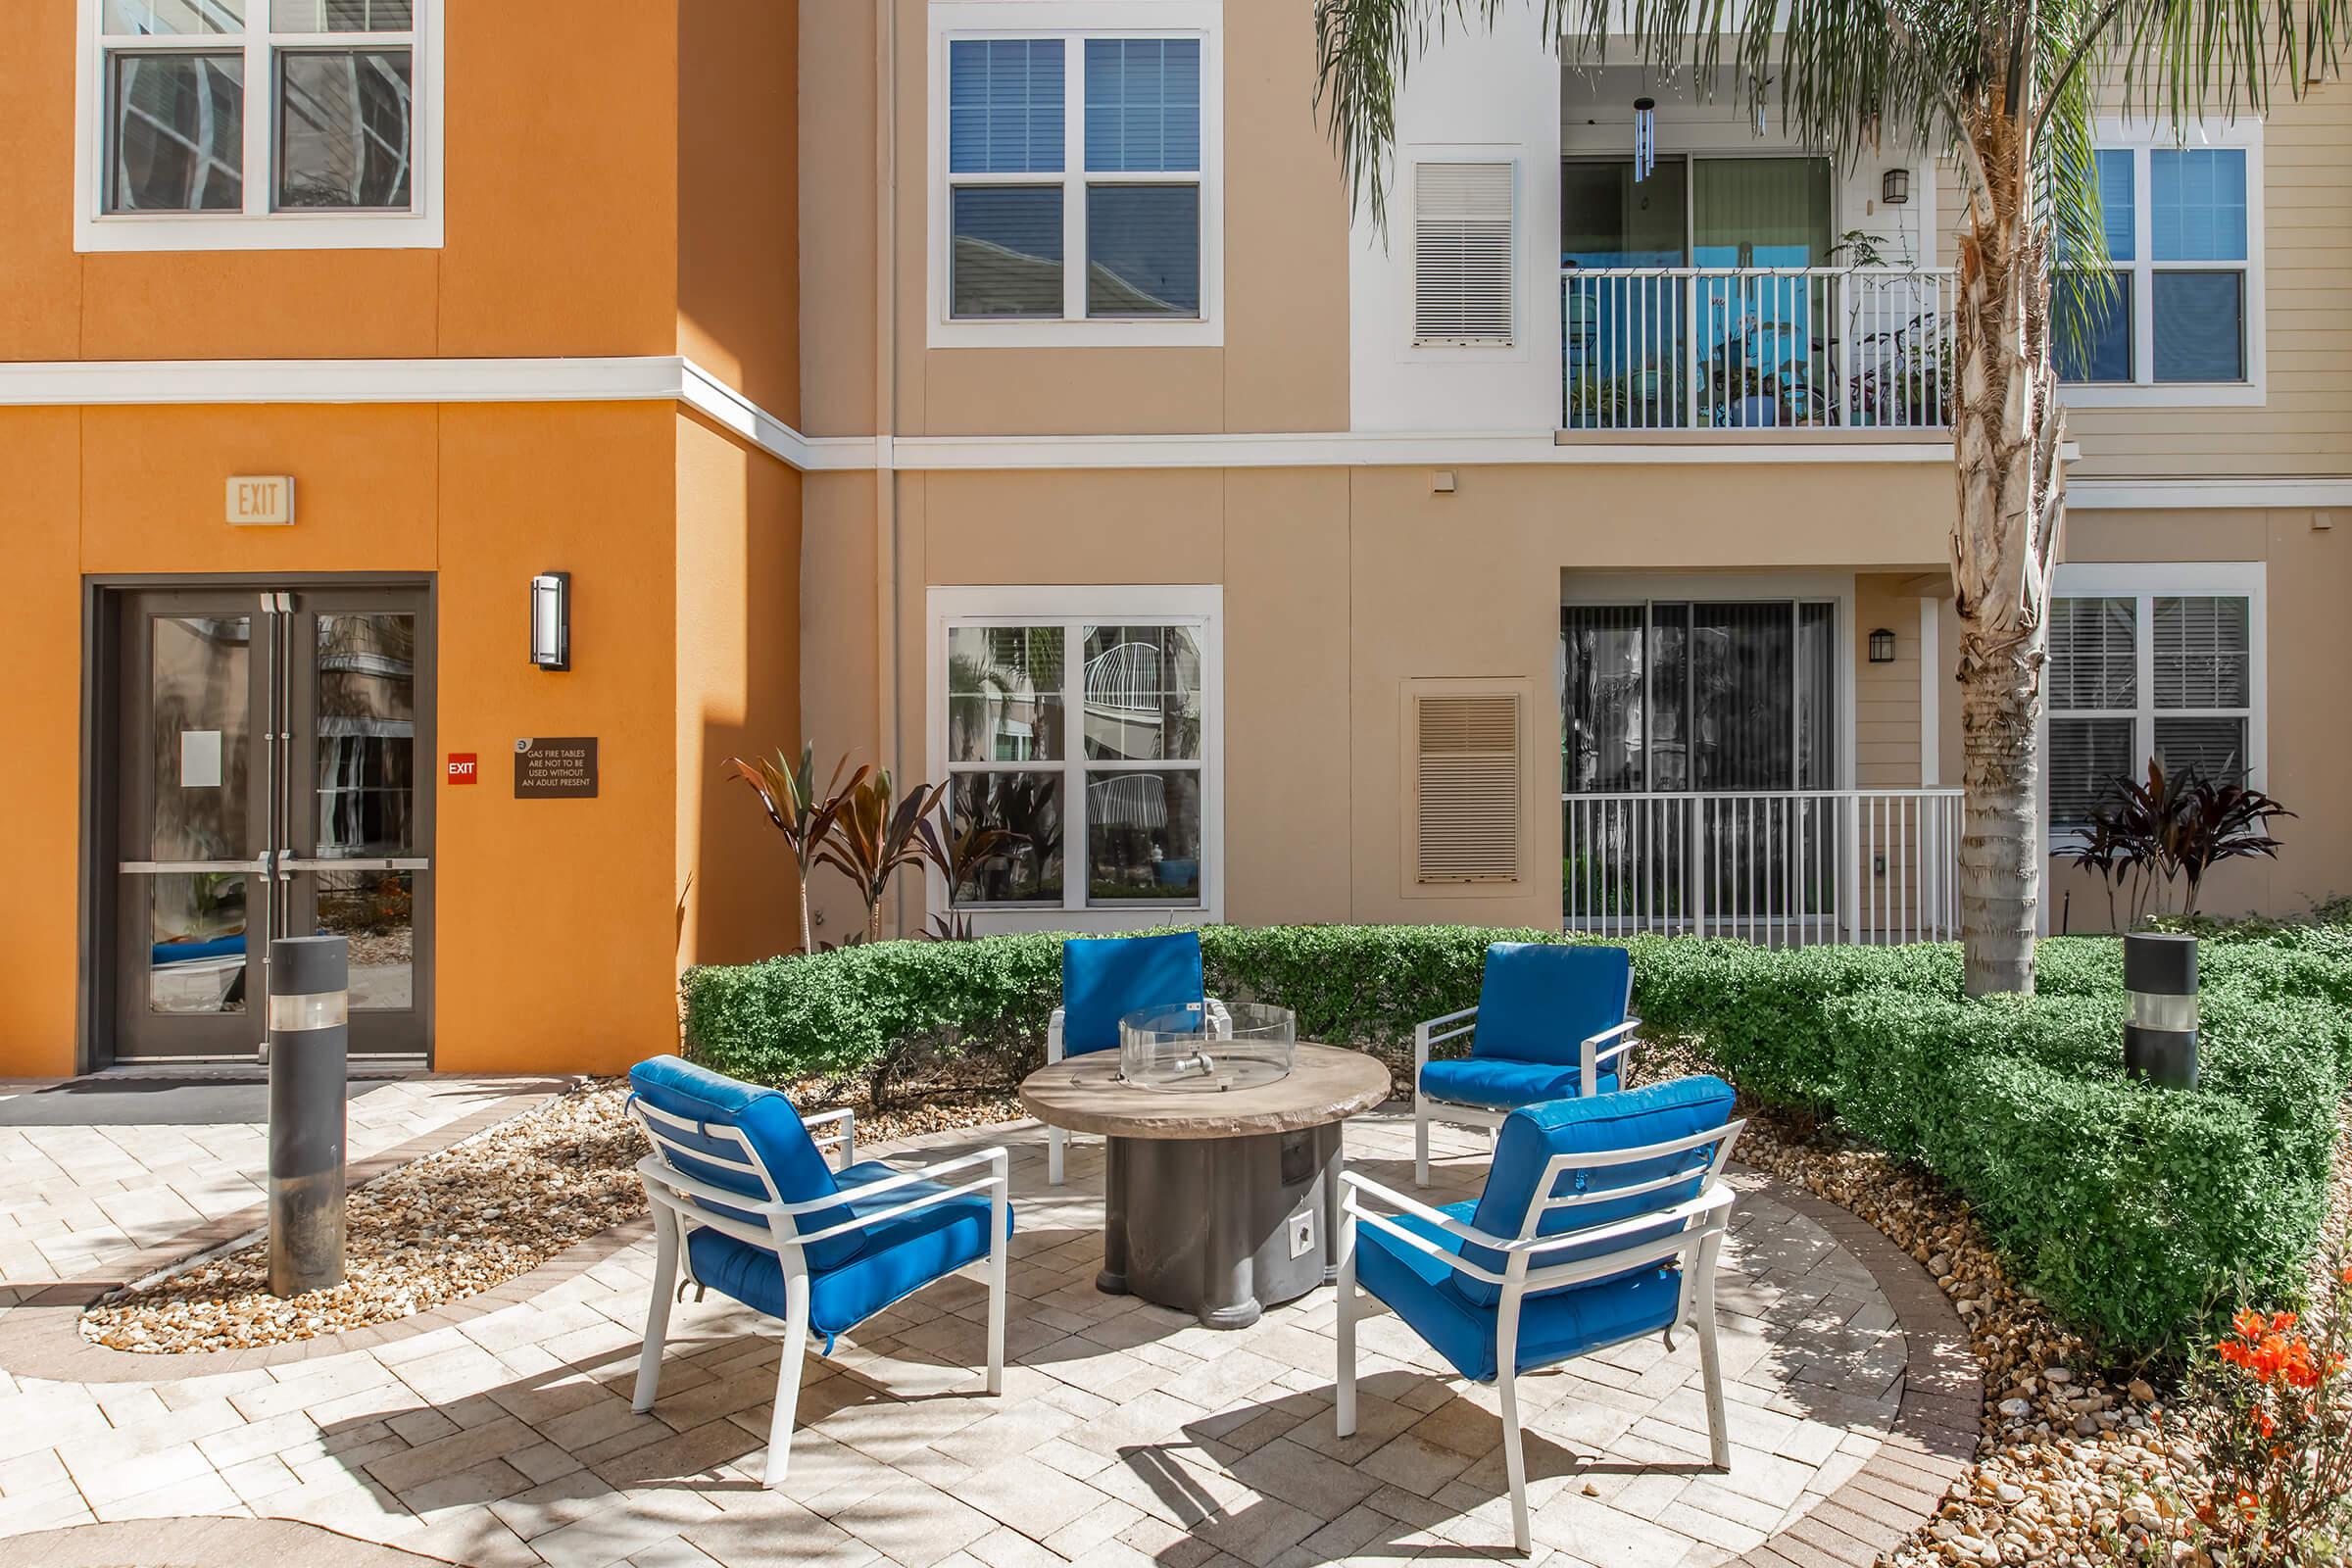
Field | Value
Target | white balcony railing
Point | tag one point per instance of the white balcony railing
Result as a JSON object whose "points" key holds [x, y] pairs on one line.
{"points": [[1779, 868], [1687, 348]]}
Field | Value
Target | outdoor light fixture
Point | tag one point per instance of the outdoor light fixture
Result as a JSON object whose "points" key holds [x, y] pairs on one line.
{"points": [[1882, 647], [2160, 1029], [1645, 137], [1894, 187], [551, 621]]}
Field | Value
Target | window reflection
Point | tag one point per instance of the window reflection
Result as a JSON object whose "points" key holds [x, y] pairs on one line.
{"points": [[200, 698], [366, 745], [196, 942], [1006, 832]]}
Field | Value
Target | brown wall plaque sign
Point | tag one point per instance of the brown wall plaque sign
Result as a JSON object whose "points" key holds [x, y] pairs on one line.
{"points": [[556, 768]]}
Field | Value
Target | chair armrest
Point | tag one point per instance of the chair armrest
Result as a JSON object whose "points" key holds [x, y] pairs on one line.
{"points": [[1592, 1058], [1053, 1037], [998, 1176], [1435, 1031], [846, 1140]]}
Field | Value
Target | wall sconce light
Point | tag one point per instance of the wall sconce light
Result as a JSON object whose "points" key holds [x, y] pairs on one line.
{"points": [[1882, 647], [1894, 187], [551, 621]]}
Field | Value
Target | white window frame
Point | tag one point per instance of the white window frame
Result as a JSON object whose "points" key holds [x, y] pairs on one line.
{"points": [[2145, 582], [1074, 21], [2143, 391], [1197, 606], [260, 225]]}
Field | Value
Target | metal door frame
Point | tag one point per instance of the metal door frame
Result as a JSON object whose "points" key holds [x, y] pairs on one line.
{"points": [[104, 596]]}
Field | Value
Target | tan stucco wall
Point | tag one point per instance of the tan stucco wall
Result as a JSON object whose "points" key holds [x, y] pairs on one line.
{"points": [[1340, 585], [738, 197], [2307, 578], [1283, 362]]}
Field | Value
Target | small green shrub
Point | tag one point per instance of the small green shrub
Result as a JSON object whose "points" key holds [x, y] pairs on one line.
{"points": [[2132, 1210]]}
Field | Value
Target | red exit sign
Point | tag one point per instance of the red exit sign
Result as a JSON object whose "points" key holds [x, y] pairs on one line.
{"points": [[462, 769]]}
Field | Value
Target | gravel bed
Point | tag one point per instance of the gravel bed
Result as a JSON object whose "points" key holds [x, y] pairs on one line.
{"points": [[2078, 1464], [466, 1219]]}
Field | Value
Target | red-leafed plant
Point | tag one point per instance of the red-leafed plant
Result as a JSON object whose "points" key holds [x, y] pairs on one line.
{"points": [[2274, 1410]]}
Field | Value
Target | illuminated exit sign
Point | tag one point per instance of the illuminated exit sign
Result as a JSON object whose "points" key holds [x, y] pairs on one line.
{"points": [[261, 500]]}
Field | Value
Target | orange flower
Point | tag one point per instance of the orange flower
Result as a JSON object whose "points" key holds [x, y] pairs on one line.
{"points": [[2269, 1426], [2283, 1322], [2346, 1275], [2249, 1325]]}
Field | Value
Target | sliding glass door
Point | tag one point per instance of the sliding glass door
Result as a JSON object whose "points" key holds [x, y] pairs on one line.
{"points": [[1749, 227], [1696, 739]]}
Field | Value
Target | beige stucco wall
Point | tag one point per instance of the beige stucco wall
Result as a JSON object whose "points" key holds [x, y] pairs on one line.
{"points": [[1340, 585], [2307, 577]]}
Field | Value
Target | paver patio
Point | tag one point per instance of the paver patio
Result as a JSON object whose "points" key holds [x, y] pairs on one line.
{"points": [[1125, 1434]]}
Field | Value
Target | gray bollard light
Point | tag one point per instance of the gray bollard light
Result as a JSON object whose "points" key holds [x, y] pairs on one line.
{"points": [[2160, 1029], [310, 1048]]}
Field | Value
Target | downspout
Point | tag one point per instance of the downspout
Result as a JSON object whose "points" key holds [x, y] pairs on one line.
{"points": [[886, 404]]}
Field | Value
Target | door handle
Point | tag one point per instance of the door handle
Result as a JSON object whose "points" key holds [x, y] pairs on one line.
{"points": [[288, 862], [260, 863]]}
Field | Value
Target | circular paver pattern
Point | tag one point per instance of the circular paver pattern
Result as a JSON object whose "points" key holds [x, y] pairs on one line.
{"points": [[508, 1438]]}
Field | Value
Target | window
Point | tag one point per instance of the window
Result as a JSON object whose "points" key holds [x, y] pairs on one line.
{"points": [[1668, 696], [1078, 730], [2181, 310], [2149, 662], [211, 124], [1075, 175]]}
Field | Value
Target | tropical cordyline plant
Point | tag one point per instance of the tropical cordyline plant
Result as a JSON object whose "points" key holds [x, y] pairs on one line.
{"points": [[874, 838], [2172, 828], [2273, 1410], [2011, 91], [800, 813]]}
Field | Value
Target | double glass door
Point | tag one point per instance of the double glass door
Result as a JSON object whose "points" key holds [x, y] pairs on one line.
{"points": [[268, 774]]}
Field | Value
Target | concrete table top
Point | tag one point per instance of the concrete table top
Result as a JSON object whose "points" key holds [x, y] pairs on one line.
{"points": [[1084, 1094]]}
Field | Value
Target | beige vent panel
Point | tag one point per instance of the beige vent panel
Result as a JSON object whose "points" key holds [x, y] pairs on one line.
{"points": [[1467, 765], [1462, 253]]}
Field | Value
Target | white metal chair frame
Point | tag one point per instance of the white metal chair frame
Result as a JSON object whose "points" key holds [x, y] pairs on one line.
{"points": [[1704, 1219], [1455, 1025], [678, 1203], [1220, 1027]]}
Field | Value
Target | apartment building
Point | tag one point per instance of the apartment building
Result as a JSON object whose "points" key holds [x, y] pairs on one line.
{"points": [[1004, 391]]}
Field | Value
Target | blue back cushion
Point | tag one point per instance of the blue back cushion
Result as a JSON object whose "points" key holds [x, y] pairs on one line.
{"points": [[1104, 978], [1542, 1000], [1656, 1115], [773, 1129]]}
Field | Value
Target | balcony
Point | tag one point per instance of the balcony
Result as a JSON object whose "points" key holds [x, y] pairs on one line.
{"points": [[1776, 867], [1783, 350]]}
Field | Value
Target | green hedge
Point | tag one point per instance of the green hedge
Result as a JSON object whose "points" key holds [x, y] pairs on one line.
{"points": [[2134, 1211]]}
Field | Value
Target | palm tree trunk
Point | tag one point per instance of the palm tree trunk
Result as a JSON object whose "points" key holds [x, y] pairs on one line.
{"points": [[2008, 434]]}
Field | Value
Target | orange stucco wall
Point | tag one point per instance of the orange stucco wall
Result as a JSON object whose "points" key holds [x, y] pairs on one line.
{"points": [[561, 201], [560, 925]]}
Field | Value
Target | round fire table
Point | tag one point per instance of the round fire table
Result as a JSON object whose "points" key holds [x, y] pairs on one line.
{"points": [[1218, 1205]]}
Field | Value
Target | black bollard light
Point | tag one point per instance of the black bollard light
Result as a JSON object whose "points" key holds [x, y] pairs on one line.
{"points": [[310, 1048], [2160, 1029]]}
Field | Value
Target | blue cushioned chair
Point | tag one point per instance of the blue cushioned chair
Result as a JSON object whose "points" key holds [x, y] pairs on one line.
{"points": [[1551, 1022], [1106, 978], [1600, 1223], [741, 1188]]}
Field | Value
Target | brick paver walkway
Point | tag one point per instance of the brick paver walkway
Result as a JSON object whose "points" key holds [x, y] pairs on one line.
{"points": [[1126, 1435], [115, 1202]]}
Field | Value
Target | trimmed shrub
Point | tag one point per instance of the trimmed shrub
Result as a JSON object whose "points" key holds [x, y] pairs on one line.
{"points": [[2132, 1210]]}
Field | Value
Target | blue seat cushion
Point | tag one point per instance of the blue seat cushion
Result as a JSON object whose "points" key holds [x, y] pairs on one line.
{"points": [[1106, 978], [1542, 1000], [1554, 1327], [773, 1129], [1656, 1113], [901, 1256], [1503, 1085]]}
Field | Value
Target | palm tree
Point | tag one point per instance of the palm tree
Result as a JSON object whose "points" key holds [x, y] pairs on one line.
{"points": [[2010, 90]]}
